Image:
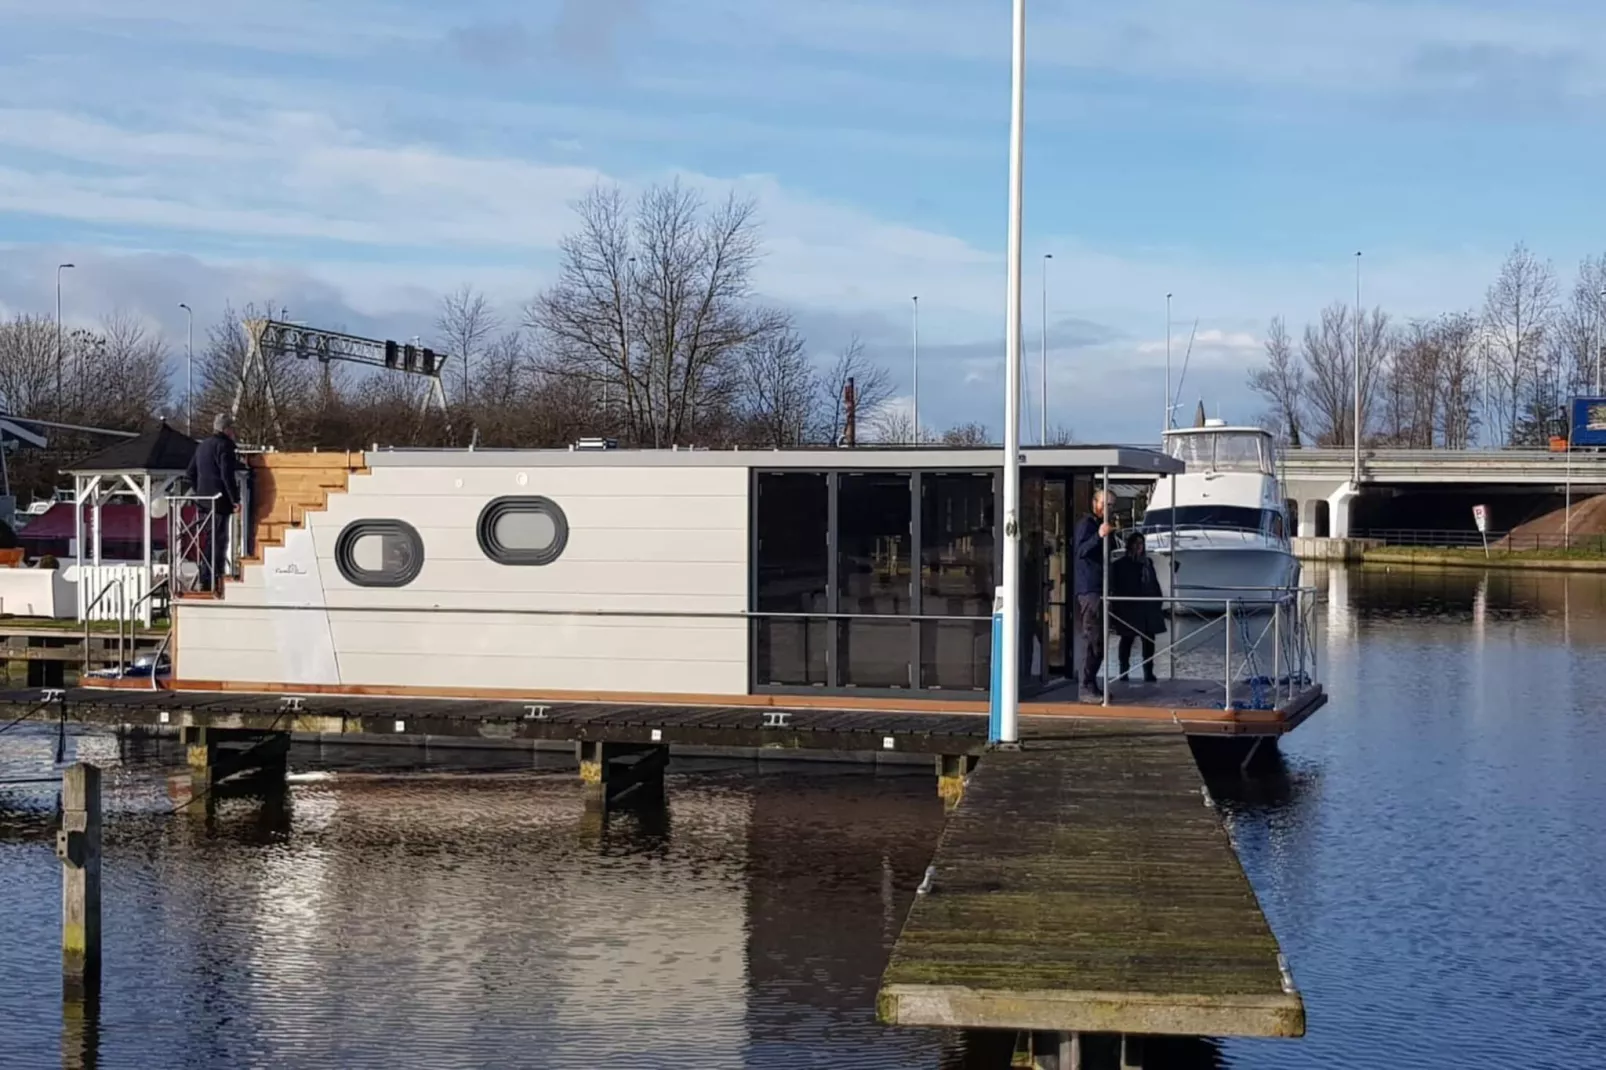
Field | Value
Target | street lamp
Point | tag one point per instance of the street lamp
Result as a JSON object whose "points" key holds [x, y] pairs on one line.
{"points": [[1043, 401], [189, 369], [59, 269], [1165, 420], [1600, 320], [1357, 478], [915, 434]]}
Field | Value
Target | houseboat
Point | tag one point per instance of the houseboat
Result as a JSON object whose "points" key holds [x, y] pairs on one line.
{"points": [[828, 577]]}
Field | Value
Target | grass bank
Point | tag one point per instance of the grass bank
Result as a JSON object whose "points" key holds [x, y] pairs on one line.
{"points": [[1557, 560]]}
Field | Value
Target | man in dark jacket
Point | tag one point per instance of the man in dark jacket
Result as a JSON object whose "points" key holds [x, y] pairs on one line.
{"points": [[214, 471], [1093, 534]]}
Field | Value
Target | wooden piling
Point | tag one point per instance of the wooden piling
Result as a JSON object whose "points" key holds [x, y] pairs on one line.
{"points": [[614, 773], [952, 769], [78, 846]]}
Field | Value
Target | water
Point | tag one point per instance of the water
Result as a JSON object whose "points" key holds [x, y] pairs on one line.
{"points": [[1432, 863]]}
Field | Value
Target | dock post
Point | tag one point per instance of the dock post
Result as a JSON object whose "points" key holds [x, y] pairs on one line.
{"points": [[614, 772], [952, 769], [1131, 1052], [200, 750], [1070, 1051], [78, 847]]}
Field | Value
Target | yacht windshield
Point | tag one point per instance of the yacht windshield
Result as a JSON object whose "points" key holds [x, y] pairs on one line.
{"points": [[1222, 451], [1224, 517]]}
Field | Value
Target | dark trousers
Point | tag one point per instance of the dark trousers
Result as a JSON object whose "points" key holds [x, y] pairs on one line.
{"points": [[1090, 618], [1123, 653], [214, 563]]}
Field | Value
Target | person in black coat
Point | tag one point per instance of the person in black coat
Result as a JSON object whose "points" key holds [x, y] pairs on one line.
{"points": [[1093, 535], [1133, 576], [214, 471]]}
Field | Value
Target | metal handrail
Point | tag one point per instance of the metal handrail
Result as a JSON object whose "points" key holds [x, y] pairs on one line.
{"points": [[1292, 642], [111, 585], [156, 663]]}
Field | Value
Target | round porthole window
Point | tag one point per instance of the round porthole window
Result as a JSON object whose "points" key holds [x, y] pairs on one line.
{"points": [[523, 531], [379, 553]]}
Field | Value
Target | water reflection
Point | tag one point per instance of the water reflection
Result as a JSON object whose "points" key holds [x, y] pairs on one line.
{"points": [[1428, 851]]}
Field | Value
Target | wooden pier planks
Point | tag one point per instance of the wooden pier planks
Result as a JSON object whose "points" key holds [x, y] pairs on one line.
{"points": [[1083, 885]]}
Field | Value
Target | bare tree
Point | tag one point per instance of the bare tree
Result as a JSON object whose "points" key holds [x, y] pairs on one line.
{"points": [[465, 324], [1458, 410], [894, 426], [872, 390], [28, 367], [779, 388], [1282, 381], [653, 305], [1061, 435], [1329, 355], [1518, 311], [970, 434]]}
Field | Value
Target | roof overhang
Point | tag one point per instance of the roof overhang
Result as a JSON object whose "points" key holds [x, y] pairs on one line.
{"points": [[1119, 460]]}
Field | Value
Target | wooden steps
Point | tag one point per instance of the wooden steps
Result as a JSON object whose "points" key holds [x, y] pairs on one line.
{"points": [[286, 487]]}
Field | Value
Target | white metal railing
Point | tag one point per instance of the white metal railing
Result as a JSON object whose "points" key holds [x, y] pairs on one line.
{"points": [[193, 528], [1260, 646]]}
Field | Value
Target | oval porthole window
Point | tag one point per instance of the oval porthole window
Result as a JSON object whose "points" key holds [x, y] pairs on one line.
{"points": [[379, 553], [523, 531]]}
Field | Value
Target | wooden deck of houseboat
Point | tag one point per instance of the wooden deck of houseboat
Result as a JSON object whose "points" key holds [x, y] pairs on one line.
{"points": [[1197, 706], [1081, 887]]}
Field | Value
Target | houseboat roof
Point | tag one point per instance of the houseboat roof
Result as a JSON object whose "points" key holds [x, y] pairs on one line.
{"points": [[1118, 459]]}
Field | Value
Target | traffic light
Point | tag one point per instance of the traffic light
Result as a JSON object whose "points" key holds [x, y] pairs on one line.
{"points": [[409, 356], [390, 354], [429, 361]]}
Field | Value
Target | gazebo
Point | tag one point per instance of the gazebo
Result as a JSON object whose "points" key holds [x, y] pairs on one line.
{"points": [[145, 467]]}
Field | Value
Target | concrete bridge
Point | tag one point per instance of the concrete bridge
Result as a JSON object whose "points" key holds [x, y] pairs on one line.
{"points": [[1321, 481]]}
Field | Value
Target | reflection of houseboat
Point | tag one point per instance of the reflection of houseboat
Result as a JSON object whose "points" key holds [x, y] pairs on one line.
{"points": [[1223, 521], [641, 575]]}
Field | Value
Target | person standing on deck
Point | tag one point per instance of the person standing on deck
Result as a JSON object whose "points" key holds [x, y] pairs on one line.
{"points": [[1133, 577], [1093, 534], [214, 471]]}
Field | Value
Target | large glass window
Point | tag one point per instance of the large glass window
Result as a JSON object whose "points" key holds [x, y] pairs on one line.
{"points": [[875, 576], [957, 578], [845, 563], [792, 576]]}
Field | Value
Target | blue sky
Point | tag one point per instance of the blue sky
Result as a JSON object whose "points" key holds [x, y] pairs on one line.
{"points": [[354, 160]]}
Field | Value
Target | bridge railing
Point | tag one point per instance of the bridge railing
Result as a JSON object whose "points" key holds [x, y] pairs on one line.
{"points": [[1500, 543]]}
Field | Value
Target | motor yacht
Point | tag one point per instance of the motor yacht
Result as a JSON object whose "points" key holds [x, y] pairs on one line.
{"points": [[1223, 522]]}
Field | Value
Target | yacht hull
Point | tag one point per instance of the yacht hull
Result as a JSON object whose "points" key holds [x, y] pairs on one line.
{"points": [[1207, 576]]}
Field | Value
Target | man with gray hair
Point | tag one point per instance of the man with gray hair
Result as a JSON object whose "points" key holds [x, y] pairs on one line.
{"points": [[214, 473], [1091, 538]]}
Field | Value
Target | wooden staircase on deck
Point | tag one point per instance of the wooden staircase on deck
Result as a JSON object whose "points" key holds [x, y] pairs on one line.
{"points": [[285, 487]]}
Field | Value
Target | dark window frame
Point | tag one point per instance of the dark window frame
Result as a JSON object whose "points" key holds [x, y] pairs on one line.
{"points": [[834, 684], [361, 577], [497, 508]]}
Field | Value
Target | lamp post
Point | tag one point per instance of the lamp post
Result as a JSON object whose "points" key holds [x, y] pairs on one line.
{"points": [[1008, 674], [914, 435], [1600, 308], [189, 368], [1357, 476], [1165, 417], [1043, 401], [59, 269]]}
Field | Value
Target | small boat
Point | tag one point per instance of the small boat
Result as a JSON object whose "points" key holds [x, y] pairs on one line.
{"points": [[1223, 523]]}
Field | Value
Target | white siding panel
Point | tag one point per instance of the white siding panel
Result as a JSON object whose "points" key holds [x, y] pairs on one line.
{"points": [[551, 482], [537, 675], [652, 511], [539, 639]]}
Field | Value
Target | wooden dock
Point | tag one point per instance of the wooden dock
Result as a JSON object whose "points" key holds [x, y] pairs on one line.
{"points": [[1085, 886]]}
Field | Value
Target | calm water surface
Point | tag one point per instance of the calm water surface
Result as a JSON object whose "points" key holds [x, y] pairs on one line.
{"points": [[1431, 862]]}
